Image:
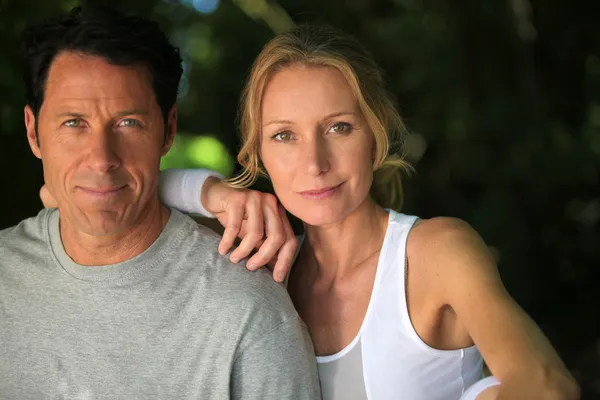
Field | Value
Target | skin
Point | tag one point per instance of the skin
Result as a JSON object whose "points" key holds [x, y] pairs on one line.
{"points": [[100, 128], [314, 150], [101, 137], [258, 220], [305, 147], [313, 136]]}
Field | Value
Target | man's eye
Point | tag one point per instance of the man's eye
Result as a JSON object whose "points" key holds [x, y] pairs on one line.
{"points": [[73, 123], [129, 123]]}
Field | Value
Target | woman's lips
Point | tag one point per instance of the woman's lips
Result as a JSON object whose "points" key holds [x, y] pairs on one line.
{"points": [[320, 194]]}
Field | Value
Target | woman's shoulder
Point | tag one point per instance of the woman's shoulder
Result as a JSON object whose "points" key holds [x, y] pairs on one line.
{"points": [[449, 265], [442, 245], [439, 232]]}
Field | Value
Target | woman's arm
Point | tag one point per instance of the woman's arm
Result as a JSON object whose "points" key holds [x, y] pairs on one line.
{"points": [[181, 189], [484, 389], [515, 349], [256, 218]]}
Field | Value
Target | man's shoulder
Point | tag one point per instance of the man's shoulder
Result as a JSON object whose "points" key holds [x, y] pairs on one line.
{"points": [[231, 286], [24, 244], [28, 231], [233, 278], [254, 301]]}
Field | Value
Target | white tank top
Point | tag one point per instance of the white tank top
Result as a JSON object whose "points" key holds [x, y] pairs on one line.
{"points": [[387, 359]]}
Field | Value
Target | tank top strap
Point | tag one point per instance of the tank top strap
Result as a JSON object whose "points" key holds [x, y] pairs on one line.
{"points": [[389, 291], [393, 250], [402, 219]]}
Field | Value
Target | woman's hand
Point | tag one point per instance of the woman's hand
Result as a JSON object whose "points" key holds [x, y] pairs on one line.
{"points": [[258, 220], [255, 217], [47, 199]]}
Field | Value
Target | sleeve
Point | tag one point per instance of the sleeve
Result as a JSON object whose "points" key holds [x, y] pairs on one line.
{"points": [[180, 189], [280, 365], [475, 390]]}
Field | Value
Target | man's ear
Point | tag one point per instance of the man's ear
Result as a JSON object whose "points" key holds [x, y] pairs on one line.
{"points": [[171, 130], [32, 138]]}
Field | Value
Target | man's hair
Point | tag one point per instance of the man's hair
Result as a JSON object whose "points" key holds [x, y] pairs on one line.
{"points": [[120, 39]]}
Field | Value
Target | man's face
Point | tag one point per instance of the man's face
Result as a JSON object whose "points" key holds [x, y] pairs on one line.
{"points": [[101, 135]]}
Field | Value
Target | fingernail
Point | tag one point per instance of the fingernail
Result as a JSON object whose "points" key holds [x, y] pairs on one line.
{"points": [[221, 252], [250, 265], [235, 260], [280, 277]]}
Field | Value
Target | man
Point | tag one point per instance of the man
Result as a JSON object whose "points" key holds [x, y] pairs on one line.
{"points": [[114, 296]]}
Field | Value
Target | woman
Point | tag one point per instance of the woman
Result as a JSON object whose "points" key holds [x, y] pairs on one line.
{"points": [[397, 306]]}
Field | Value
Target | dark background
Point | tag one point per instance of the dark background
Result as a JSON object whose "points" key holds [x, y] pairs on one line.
{"points": [[502, 98]]}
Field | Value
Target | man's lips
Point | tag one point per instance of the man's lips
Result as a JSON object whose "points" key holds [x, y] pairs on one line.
{"points": [[101, 191]]}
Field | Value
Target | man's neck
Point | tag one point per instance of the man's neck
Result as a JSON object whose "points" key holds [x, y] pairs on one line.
{"points": [[92, 250]]}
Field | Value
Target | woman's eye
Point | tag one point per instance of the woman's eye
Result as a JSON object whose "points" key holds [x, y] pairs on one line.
{"points": [[282, 136], [341, 127], [129, 123], [73, 123]]}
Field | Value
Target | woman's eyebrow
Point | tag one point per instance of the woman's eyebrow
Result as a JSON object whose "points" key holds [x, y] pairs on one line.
{"points": [[329, 116], [278, 121], [339, 114]]}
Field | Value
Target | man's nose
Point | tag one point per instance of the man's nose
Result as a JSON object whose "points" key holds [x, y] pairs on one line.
{"points": [[102, 151]]}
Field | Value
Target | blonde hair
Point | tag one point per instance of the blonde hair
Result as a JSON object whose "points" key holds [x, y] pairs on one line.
{"points": [[312, 45]]}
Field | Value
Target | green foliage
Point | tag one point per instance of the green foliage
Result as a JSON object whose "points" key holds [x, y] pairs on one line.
{"points": [[190, 151]]}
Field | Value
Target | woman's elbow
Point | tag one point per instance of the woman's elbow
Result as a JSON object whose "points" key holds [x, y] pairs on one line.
{"points": [[558, 384]]}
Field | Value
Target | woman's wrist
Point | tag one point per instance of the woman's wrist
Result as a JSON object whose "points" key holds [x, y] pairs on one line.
{"points": [[182, 188]]}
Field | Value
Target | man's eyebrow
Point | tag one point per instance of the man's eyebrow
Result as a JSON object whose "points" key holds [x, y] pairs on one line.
{"points": [[330, 116], [133, 111], [70, 114], [123, 113]]}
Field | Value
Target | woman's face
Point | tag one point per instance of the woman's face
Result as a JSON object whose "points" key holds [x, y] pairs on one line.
{"points": [[315, 144]]}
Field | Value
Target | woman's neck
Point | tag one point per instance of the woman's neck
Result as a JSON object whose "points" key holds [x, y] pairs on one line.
{"points": [[341, 247]]}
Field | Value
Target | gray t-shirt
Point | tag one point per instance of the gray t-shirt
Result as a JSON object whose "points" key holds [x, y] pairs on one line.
{"points": [[179, 321]]}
